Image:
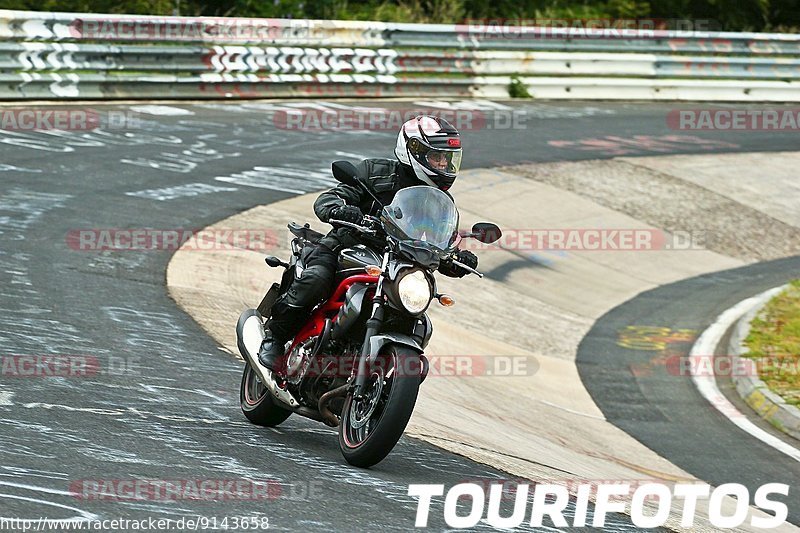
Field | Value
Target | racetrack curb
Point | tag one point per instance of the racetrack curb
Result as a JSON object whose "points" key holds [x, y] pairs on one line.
{"points": [[769, 406]]}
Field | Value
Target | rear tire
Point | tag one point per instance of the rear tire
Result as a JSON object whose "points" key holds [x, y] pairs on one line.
{"points": [[256, 403], [369, 445]]}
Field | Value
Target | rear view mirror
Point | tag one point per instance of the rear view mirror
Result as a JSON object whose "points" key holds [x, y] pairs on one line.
{"points": [[486, 232], [345, 172]]}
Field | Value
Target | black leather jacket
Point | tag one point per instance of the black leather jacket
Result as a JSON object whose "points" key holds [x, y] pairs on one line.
{"points": [[385, 177]]}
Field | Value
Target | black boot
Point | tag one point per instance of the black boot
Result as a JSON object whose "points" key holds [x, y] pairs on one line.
{"points": [[285, 322], [271, 352]]}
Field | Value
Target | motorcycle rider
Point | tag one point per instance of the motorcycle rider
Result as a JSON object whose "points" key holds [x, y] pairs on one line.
{"points": [[428, 152]]}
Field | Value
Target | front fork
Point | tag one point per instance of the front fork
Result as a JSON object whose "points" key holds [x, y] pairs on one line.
{"points": [[373, 327]]}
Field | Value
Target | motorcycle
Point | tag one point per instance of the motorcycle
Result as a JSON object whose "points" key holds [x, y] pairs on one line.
{"points": [[358, 362]]}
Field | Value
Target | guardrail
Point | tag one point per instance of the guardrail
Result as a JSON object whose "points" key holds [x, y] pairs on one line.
{"points": [[66, 55]]}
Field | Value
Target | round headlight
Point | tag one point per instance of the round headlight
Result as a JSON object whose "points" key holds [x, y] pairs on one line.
{"points": [[415, 292]]}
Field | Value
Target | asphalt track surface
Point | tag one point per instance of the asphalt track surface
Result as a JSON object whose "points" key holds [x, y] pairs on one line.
{"points": [[164, 403], [644, 392]]}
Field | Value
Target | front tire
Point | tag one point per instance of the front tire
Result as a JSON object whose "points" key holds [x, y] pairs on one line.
{"points": [[370, 429], [256, 403]]}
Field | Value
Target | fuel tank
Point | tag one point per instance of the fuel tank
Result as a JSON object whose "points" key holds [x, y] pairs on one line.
{"points": [[357, 257]]}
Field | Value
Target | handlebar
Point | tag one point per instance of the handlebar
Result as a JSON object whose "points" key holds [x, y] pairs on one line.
{"points": [[371, 231], [359, 227]]}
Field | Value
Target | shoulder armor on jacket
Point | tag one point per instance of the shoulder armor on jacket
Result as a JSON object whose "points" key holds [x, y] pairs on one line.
{"points": [[381, 173]]}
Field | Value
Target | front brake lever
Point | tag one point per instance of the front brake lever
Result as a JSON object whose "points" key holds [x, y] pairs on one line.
{"points": [[358, 227], [467, 268]]}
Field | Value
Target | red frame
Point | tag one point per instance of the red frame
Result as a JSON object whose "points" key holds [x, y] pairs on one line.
{"points": [[329, 308]]}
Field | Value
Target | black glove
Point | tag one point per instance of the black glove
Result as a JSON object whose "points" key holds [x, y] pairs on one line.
{"points": [[468, 258], [454, 271], [348, 213]]}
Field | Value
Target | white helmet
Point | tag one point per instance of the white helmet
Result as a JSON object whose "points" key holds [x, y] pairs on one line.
{"points": [[431, 146]]}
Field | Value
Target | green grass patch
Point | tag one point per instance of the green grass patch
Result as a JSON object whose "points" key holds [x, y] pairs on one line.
{"points": [[517, 89], [774, 342]]}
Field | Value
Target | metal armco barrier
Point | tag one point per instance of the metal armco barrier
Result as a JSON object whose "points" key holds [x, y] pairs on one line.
{"points": [[74, 56]]}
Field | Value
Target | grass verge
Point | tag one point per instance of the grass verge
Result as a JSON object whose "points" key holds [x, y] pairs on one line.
{"points": [[774, 342]]}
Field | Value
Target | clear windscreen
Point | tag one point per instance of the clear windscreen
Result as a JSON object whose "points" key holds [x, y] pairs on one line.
{"points": [[424, 215]]}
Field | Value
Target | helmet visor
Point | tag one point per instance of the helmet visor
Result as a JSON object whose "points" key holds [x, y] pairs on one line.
{"points": [[445, 161], [440, 161]]}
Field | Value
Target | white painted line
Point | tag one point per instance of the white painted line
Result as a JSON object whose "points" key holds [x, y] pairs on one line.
{"points": [[707, 385], [162, 110], [292, 180], [467, 105], [350, 154], [5, 398], [82, 515], [180, 191]]}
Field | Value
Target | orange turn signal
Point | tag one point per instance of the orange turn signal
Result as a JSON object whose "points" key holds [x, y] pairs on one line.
{"points": [[446, 300], [373, 270]]}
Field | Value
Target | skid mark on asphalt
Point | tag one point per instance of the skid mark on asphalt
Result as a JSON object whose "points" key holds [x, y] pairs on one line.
{"points": [[12, 168], [612, 145], [24, 321], [184, 162], [51, 492], [104, 262], [282, 179], [19, 208], [180, 191], [68, 141]]}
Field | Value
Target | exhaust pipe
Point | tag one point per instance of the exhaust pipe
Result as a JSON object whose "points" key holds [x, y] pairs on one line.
{"points": [[328, 416], [249, 334]]}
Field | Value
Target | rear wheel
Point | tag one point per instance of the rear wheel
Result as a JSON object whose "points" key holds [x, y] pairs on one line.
{"points": [[371, 426], [256, 403]]}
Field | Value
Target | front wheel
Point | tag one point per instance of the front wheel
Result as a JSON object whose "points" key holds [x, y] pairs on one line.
{"points": [[370, 427], [256, 403]]}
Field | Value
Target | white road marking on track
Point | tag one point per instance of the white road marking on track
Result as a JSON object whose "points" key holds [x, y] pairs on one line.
{"points": [[707, 385], [162, 110], [6, 168], [39, 405], [180, 191], [482, 105], [350, 154], [5, 398], [155, 388], [82, 515], [292, 180], [121, 412]]}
